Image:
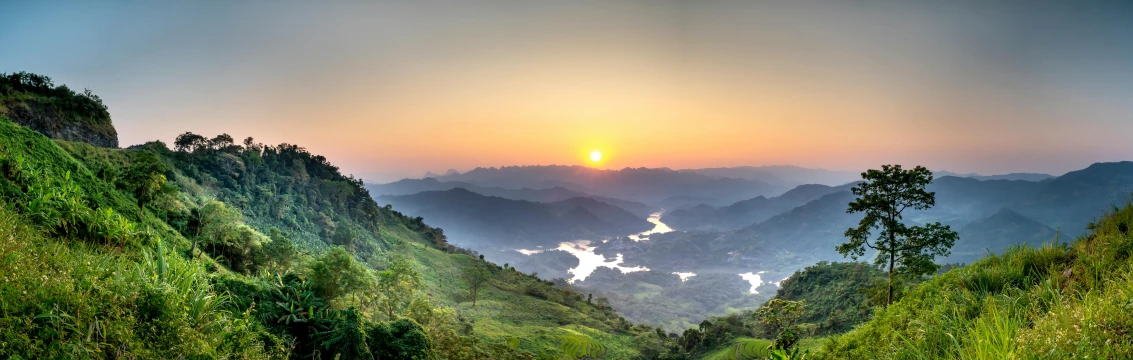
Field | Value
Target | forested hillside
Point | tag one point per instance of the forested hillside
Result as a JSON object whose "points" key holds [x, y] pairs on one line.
{"points": [[217, 249]]}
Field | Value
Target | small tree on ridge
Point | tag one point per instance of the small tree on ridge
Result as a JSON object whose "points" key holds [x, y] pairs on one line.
{"points": [[908, 250]]}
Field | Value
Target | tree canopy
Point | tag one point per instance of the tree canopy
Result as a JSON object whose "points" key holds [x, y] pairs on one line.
{"points": [[883, 197]]}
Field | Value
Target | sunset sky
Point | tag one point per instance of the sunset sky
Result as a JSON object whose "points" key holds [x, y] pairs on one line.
{"points": [[393, 89]]}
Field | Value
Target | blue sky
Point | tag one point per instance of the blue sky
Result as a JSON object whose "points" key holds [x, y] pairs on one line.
{"points": [[392, 89]]}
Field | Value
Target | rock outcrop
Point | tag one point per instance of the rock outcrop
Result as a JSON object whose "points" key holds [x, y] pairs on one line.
{"points": [[56, 125]]}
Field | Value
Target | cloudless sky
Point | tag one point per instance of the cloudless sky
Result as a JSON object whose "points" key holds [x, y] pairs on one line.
{"points": [[392, 89]]}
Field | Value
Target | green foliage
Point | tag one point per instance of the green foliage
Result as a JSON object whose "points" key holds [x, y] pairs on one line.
{"points": [[124, 279], [59, 204], [347, 337], [1055, 301], [42, 105], [883, 197], [345, 237], [398, 285], [476, 276], [781, 318], [402, 339], [279, 254], [145, 178], [744, 349], [335, 273], [837, 294], [64, 299], [223, 235], [579, 346]]}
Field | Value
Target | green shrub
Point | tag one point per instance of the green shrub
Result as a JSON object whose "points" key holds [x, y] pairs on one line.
{"points": [[401, 339]]}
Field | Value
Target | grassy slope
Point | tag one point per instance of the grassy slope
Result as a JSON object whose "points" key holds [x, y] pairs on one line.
{"points": [[67, 297], [503, 311], [1054, 301]]}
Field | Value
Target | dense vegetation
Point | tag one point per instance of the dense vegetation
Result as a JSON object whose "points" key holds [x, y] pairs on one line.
{"points": [[838, 295], [213, 249], [34, 101]]}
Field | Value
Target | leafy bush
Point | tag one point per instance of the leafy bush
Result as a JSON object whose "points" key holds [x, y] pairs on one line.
{"points": [[402, 339]]}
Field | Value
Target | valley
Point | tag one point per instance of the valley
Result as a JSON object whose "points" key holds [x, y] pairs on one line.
{"points": [[757, 241], [566, 180]]}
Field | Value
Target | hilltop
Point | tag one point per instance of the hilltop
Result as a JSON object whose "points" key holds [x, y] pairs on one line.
{"points": [[56, 111]]}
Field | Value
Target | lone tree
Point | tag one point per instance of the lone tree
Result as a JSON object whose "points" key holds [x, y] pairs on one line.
{"points": [[476, 276], [908, 250]]}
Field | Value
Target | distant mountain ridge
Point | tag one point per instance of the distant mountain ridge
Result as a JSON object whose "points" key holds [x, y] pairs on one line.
{"points": [[1011, 176], [787, 176], [491, 221], [999, 231], [646, 185], [553, 194], [746, 212], [990, 214]]}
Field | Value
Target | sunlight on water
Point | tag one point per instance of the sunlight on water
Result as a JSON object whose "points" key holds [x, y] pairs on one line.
{"points": [[658, 227], [754, 279], [588, 261], [684, 275]]}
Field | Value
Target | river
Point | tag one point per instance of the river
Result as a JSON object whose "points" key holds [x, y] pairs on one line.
{"points": [[588, 261]]}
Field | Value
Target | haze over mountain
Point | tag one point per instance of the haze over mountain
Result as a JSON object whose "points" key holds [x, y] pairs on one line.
{"points": [[474, 219], [992, 213], [746, 212], [1011, 176], [556, 193], [648, 185], [783, 175]]}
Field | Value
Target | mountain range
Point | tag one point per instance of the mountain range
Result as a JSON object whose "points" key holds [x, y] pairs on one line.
{"points": [[552, 194], [646, 185], [471, 218], [803, 223]]}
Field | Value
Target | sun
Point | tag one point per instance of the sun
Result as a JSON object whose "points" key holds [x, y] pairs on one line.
{"points": [[595, 156]]}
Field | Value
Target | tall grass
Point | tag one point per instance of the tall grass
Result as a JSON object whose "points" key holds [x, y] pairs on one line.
{"points": [[1054, 301]]}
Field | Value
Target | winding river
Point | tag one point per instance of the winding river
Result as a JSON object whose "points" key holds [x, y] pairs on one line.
{"points": [[588, 261]]}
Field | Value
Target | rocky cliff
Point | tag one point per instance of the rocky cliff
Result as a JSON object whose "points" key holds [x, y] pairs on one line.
{"points": [[56, 111]]}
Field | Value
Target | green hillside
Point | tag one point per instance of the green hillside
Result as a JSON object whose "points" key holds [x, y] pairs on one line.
{"points": [[218, 250], [214, 249], [1054, 301]]}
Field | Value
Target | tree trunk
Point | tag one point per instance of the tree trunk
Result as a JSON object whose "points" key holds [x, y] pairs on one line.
{"points": [[889, 300]]}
